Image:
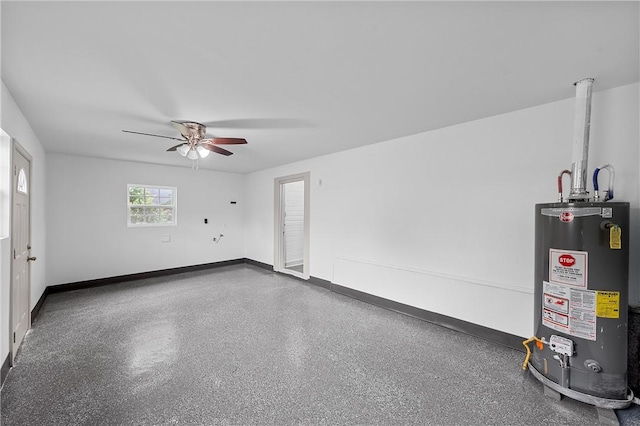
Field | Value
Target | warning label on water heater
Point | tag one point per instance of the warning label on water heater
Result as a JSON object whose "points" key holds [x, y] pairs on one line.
{"points": [[569, 310], [608, 304], [568, 267]]}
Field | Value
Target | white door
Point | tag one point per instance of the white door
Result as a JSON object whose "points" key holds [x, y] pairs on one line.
{"points": [[293, 224], [20, 314], [291, 238]]}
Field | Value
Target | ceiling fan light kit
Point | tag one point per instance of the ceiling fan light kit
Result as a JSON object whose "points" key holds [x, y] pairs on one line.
{"points": [[203, 151], [194, 143], [192, 154], [182, 150]]}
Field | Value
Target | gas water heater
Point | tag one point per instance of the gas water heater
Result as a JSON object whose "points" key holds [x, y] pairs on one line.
{"points": [[581, 284]]}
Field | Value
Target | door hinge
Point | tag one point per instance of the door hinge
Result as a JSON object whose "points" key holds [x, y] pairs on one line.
{"points": [[14, 337], [14, 254]]}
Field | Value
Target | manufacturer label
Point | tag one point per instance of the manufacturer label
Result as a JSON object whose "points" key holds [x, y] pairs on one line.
{"points": [[574, 211], [569, 310], [566, 217], [608, 304], [582, 313], [568, 267], [607, 212]]}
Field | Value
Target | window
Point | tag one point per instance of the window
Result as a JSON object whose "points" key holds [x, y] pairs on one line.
{"points": [[151, 205], [22, 181]]}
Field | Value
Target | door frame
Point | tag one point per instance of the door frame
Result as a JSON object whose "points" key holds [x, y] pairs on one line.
{"points": [[15, 146], [278, 249]]}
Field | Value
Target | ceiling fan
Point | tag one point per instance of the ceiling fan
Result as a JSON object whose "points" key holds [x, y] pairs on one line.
{"points": [[194, 144]]}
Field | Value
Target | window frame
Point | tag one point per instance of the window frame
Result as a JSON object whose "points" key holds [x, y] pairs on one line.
{"points": [[174, 206]]}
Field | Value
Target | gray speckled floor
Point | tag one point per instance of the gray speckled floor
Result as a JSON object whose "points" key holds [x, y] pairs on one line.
{"points": [[240, 345]]}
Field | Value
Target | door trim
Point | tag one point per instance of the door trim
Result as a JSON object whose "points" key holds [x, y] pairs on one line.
{"points": [[15, 146], [278, 246]]}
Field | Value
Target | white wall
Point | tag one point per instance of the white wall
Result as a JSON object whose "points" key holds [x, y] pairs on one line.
{"points": [[15, 124], [87, 221], [444, 220], [5, 243]]}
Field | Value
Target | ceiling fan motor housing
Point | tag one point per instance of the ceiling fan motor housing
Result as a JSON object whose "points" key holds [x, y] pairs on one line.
{"points": [[192, 130]]}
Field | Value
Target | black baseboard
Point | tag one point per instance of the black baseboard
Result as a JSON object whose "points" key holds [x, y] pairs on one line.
{"points": [[36, 309], [258, 264], [4, 370], [500, 337], [320, 282], [139, 276], [312, 280]]}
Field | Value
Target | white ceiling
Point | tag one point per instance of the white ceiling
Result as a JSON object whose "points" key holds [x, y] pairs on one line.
{"points": [[297, 79]]}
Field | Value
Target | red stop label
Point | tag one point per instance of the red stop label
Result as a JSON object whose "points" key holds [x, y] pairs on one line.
{"points": [[567, 260]]}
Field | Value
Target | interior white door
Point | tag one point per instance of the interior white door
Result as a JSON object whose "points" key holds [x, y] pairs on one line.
{"points": [[293, 226], [20, 237], [291, 238]]}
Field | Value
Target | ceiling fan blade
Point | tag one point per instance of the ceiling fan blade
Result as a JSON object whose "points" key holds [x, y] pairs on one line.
{"points": [[184, 131], [216, 149], [173, 148], [157, 136], [225, 141]]}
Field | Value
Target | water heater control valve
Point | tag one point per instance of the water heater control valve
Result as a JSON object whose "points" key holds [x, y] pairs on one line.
{"points": [[561, 345]]}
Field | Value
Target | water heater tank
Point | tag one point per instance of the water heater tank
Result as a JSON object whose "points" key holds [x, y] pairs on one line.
{"points": [[581, 300]]}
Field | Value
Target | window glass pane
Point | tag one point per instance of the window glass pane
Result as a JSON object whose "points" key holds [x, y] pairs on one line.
{"points": [[151, 205], [166, 214], [152, 195], [166, 193], [22, 181], [151, 219]]}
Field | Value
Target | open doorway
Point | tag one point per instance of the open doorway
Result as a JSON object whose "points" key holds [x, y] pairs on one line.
{"points": [[291, 238]]}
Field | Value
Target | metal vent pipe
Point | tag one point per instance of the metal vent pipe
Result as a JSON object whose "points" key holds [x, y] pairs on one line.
{"points": [[581, 128]]}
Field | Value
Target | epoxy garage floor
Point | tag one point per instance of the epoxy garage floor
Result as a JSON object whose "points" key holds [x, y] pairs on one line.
{"points": [[241, 345]]}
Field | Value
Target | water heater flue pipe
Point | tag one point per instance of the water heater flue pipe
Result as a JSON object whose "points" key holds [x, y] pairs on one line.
{"points": [[581, 127]]}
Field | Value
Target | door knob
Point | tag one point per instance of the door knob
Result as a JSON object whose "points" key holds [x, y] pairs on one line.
{"points": [[30, 258]]}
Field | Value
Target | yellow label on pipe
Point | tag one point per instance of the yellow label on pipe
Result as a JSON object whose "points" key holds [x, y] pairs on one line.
{"points": [[615, 237]]}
